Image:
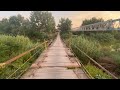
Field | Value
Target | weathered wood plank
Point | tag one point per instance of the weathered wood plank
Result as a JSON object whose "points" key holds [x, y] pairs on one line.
{"points": [[56, 64]]}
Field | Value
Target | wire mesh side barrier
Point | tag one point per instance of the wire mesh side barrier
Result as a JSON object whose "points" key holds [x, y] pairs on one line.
{"points": [[92, 60], [8, 62]]}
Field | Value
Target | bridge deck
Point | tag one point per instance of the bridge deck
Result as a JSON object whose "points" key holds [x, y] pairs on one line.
{"points": [[53, 65]]}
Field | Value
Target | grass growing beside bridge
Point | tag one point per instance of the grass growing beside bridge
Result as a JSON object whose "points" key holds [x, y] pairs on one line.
{"points": [[11, 46], [91, 48], [102, 47], [96, 72]]}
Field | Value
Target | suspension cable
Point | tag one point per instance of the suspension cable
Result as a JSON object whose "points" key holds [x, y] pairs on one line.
{"points": [[2, 65], [96, 63], [22, 65]]}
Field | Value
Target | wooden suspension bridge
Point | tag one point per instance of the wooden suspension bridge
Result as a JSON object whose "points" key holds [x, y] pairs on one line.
{"points": [[56, 62]]}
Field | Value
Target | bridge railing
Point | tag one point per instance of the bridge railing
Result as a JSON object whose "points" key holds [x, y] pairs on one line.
{"points": [[10, 61]]}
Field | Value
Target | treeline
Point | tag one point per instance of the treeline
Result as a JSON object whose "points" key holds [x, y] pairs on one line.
{"points": [[91, 21], [64, 26], [40, 25]]}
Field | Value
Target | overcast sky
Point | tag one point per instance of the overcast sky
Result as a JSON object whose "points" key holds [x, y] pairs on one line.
{"points": [[76, 16]]}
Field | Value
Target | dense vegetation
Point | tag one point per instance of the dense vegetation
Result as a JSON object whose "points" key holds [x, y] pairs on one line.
{"points": [[11, 46], [91, 21], [92, 48], [39, 26], [103, 47], [18, 35], [97, 73], [65, 26]]}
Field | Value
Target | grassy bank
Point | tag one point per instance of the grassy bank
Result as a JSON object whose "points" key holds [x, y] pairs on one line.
{"points": [[103, 47], [11, 46]]}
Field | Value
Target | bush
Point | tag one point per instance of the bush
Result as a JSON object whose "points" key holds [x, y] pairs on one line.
{"points": [[66, 35], [104, 37], [91, 48], [117, 36], [96, 72], [116, 57], [11, 46], [116, 46], [38, 36]]}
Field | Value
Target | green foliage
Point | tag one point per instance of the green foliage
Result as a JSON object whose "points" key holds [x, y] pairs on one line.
{"points": [[91, 21], [11, 46], [66, 35], [39, 27], [116, 35], [104, 37], [42, 21], [42, 25], [33, 27], [96, 72], [115, 56], [13, 25], [90, 47], [116, 46], [109, 47], [64, 25]]}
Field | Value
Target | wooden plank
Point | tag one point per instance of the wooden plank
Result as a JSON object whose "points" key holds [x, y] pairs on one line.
{"points": [[56, 64]]}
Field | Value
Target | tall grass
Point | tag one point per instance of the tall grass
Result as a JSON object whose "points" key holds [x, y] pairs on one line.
{"points": [[103, 38], [96, 72], [90, 47], [105, 44], [11, 46]]}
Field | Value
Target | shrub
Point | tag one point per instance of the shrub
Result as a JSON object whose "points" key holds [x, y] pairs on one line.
{"points": [[11, 46], [96, 72], [65, 35], [117, 36], [91, 48], [104, 37]]}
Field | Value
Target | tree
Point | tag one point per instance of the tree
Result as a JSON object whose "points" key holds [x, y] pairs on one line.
{"points": [[25, 28], [15, 23], [64, 25], [41, 24], [4, 26], [91, 21], [42, 21]]}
